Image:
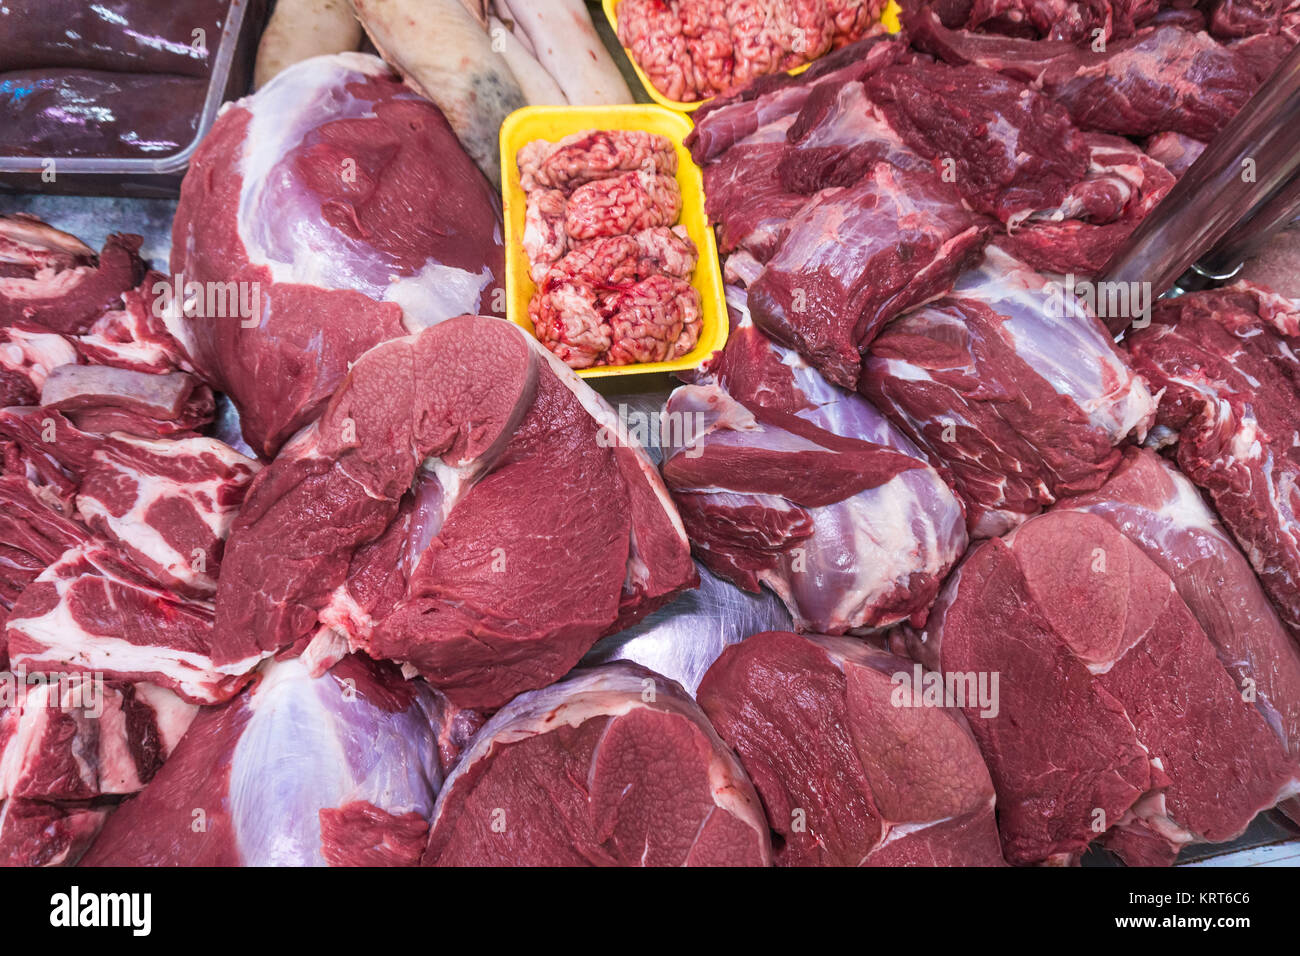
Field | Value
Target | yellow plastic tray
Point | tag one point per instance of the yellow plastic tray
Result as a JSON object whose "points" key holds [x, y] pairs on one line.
{"points": [[554, 123], [889, 18]]}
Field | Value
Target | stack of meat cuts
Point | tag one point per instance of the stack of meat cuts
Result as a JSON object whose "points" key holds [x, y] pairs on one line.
{"points": [[612, 270], [1225, 364], [1148, 691], [909, 222], [863, 187], [115, 515], [694, 49]]}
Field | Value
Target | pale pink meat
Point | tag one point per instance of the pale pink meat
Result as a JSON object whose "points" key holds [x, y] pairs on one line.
{"points": [[545, 239], [803, 29], [708, 37], [567, 321], [628, 202], [754, 43], [594, 154], [652, 31], [851, 19], [620, 299], [696, 49], [651, 320], [612, 270]]}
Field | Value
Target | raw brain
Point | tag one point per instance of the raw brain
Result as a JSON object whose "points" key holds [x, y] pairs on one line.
{"points": [[348, 200]]}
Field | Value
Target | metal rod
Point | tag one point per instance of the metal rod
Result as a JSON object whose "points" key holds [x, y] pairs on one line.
{"points": [[1237, 178]]}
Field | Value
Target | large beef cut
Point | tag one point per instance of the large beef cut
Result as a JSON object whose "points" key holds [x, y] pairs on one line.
{"points": [[1118, 713], [1014, 386], [851, 774], [615, 766], [1230, 393], [784, 480], [1162, 78], [1121, 186], [1012, 153], [1160, 511], [465, 505], [300, 771], [340, 208], [855, 257]]}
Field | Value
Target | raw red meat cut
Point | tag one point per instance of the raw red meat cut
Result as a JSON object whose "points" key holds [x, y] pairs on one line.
{"points": [[33, 833], [847, 776], [1079, 21], [282, 775], [55, 281], [32, 537], [1248, 18], [93, 612], [77, 739], [1012, 385], [1031, 154], [855, 257], [746, 199], [1160, 511], [101, 398], [1230, 394], [522, 477], [785, 481], [167, 504], [614, 766], [346, 203], [727, 120], [1163, 78], [1116, 714], [1122, 185], [26, 359]]}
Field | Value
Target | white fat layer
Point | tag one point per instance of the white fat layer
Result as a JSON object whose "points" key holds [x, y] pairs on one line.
{"points": [[284, 112], [65, 644], [133, 526]]}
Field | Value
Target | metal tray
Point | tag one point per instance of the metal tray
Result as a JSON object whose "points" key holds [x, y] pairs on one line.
{"points": [[232, 71]]}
